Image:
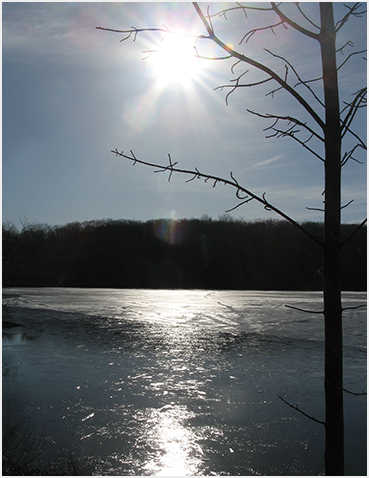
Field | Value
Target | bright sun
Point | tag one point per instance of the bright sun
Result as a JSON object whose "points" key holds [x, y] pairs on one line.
{"points": [[175, 60]]}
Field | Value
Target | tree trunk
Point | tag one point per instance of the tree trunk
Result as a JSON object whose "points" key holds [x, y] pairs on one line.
{"points": [[334, 446]]}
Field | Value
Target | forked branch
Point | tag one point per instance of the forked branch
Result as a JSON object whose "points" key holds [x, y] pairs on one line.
{"points": [[353, 107], [252, 32], [293, 24], [353, 11]]}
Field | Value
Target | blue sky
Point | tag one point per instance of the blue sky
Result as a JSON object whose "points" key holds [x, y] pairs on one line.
{"points": [[72, 93]]}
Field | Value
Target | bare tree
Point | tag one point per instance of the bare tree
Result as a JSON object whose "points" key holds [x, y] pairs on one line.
{"points": [[322, 135]]}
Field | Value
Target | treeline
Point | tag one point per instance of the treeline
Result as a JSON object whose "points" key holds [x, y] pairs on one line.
{"points": [[196, 253]]}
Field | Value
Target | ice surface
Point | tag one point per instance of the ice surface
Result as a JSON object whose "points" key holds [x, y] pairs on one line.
{"points": [[180, 382]]}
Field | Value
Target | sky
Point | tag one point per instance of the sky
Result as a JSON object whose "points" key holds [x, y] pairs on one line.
{"points": [[72, 93]]}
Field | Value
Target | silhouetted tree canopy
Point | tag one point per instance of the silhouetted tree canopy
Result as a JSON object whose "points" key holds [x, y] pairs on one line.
{"points": [[206, 254]]}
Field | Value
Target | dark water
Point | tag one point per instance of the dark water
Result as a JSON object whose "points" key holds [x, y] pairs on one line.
{"points": [[178, 382]]}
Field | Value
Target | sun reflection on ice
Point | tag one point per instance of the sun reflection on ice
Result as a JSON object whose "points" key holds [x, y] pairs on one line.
{"points": [[175, 459], [178, 453]]}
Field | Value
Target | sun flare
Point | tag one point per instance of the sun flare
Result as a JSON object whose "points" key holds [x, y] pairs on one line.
{"points": [[175, 60]]}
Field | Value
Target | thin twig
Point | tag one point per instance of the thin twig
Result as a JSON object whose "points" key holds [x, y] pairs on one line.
{"points": [[354, 307], [306, 17], [350, 55], [362, 224], [305, 310], [347, 204], [295, 407], [319, 209], [344, 389], [354, 393], [301, 81]]}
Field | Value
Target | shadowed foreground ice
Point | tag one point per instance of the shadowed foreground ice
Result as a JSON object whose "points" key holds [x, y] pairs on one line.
{"points": [[159, 382]]}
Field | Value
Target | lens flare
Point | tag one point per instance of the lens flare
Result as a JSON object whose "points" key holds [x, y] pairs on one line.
{"points": [[169, 230], [140, 113]]}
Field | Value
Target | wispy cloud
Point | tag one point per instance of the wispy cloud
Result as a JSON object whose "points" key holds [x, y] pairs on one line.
{"points": [[261, 164]]}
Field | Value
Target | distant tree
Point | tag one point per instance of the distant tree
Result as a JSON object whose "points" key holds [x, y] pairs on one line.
{"points": [[329, 130], [10, 253]]}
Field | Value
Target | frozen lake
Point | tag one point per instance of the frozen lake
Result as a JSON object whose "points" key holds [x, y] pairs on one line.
{"points": [[179, 382]]}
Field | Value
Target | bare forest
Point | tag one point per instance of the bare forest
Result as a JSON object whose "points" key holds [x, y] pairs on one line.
{"points": [[206, 253]]}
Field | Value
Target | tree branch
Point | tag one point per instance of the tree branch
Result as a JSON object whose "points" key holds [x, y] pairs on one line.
{"points": [[133, 31], [196, 174]]}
